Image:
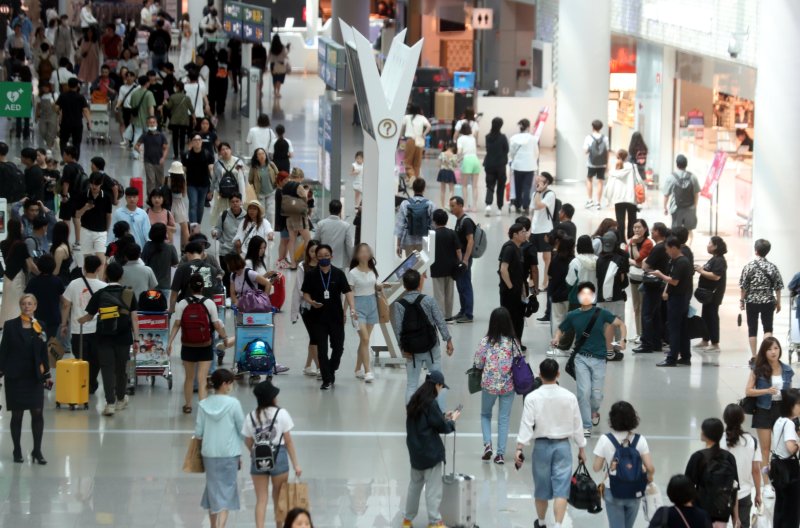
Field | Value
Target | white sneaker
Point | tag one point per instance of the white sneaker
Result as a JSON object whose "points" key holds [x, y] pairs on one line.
{"points": [[109, 410], [369, 377], [587, 433], [701, 346], [360, 374], [310, 371], [597, 206], [498, 212], [589, 204], [123, 143], [121, 404], [488, 211], [768, 492], [712, 348]]}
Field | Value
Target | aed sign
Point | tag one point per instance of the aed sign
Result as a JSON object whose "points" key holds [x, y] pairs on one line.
{"points": [[16, 99]]}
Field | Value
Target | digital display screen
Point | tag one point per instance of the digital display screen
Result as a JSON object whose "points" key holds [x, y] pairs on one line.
{"points": [[246, 22], [399, 271]]}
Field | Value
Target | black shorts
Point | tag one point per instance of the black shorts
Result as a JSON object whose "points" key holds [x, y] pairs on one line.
{"points": [[66, 211], [127, 113], [194, 354], [540, 242], [599, 172], [766, 418]]}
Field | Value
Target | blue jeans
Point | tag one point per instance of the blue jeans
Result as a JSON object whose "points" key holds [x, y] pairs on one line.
{"points": [[465, 296], [197, 203], [621, 512], [504, 416], [590, 376], [551, 464], [413, 372]]}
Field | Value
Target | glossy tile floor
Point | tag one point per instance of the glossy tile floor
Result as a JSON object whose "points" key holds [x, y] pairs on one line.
{"points": [[125, 471]]}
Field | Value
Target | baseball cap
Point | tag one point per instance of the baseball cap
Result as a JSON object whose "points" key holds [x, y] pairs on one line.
{"points": [[437, 378]]}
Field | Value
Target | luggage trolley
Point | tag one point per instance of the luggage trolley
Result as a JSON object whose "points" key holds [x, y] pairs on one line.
{"points": [[150, 358], [252, 328], [794, 328], [99, 116]]}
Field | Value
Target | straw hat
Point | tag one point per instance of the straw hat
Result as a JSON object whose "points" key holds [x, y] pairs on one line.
{"points": [[255, 203]]}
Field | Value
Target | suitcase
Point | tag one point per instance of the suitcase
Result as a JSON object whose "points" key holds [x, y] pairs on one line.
{"points": [[72, 381], [459, 504]]}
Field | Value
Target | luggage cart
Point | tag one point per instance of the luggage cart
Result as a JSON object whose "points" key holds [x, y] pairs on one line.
{"points": [[150, 358], [794, 328], [99, 116], [253, 327]]}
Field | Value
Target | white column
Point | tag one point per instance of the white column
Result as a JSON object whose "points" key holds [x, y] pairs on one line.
{"points": [[584, 50], [312, 20], [776, 188]]}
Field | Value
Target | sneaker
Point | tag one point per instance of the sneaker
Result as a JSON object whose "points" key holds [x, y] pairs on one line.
{"points": [[220, 358], [499, 460], [498, 212], [537, 524], [587, 433], [76, 246], [369, 377], [768, 492], [325, 386], [280, 369], [712, 348], [595, 419], [453, 319], [310, 371], [701, 345], [487, 452], [319, 376], [488, 211], [637, 340], [463, 319], [360, 374], [597, 206], [589, 204], [121, 404], [543, 319], [109, 410]]}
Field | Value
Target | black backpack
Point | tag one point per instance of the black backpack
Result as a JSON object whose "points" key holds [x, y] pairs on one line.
{"points": [[228, 185], [12, 182], [683, 190], [113, 314], [417, 217], [417, 333], [717, 494], [554, 214], [160, 45]]}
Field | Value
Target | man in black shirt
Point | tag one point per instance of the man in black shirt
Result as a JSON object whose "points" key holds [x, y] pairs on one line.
{"points": [[34, 177], [465, 229], [530, 257], [512, 277], [652, 318], [447, 255], [679, 293], [93, 208], [323, 289], [565, 223], [72, 108], [198, 164]]}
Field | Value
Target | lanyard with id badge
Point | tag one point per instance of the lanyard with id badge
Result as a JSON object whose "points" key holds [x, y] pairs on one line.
{"points": [[326, 294]]}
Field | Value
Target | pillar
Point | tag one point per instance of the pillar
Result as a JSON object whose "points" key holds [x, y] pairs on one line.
{"points": [[584, 51], [354, 12], [775, 186], [312, 20]]}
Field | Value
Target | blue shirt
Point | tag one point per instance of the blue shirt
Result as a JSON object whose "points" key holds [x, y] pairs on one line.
{"points": [[138, 221]]}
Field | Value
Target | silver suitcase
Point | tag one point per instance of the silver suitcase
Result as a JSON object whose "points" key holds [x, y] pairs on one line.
{"points": [[459, 498]]}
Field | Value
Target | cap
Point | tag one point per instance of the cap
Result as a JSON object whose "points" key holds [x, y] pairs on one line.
{"points": [[266, 390], [609, 241], [256, 203], [176, 168], [436, 377]]}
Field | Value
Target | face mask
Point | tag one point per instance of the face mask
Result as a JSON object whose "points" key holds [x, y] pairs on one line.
{"points": [[152, 129], [325, 262], [586, 298]]}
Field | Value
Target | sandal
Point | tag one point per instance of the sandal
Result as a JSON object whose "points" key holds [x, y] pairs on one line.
{"points": [[187, 409]]}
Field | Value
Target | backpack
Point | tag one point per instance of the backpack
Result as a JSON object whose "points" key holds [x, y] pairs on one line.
{"points": [[417, 217], [228, 185], [152, 301], [717, 493], [555, 213], [683, 190], [12, 182], [258, 358], [480, 242], [195, 323], [629, 480], [263, 452], [598, 152], [417, 333], [113, 313], [37, 252], [160, 45]]}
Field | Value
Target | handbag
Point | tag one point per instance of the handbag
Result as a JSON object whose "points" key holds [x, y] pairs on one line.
{"points": [[474, 377], [384, 314], [569, 368], [293, 495], [55, 351], [748, 404], [704, 295], [652, 501], [783, 471], [293, 205], [639, 191], [522, 374], [254, 301], [531, 305], [583, 493], [193, 461]]}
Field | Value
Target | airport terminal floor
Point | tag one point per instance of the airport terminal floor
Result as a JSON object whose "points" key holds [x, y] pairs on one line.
{"points": [[125, 471]]}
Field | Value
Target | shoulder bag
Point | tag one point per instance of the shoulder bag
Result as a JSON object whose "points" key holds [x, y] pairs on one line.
{"points": [[569, 368], [783, 471]]}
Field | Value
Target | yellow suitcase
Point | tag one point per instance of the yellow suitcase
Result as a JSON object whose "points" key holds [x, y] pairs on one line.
{"points": [[72, 381]]}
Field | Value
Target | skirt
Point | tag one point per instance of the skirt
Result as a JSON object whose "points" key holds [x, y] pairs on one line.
{"points": [[766, 418], [24, 394], [446, 176], [179, 209], [194, 354], [470, 164], [281, 464], [222, 490], [367, 309], [12, 291]]}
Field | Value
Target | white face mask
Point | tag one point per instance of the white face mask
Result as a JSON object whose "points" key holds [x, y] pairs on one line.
{"points": [[586, 298], [152, 129]]}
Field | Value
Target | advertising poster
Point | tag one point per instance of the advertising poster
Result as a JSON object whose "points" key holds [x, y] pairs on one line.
{"points": [[714, 174], [153, 339]]}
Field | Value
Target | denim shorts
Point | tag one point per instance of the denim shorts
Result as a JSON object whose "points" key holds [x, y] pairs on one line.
{"points": [[281, 464], [552, 468]]}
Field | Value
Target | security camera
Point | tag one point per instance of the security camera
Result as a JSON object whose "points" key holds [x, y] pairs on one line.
{"points": [[734, 47]]}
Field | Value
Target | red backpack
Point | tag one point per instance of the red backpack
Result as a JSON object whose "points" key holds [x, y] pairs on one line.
{"points": [[195, 323]]}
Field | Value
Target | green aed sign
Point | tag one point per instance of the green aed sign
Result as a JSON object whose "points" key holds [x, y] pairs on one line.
{"points": [[16, 99]]}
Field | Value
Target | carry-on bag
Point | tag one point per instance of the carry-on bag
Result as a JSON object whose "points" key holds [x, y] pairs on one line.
{"points": [[459, 505], [72, 381]]}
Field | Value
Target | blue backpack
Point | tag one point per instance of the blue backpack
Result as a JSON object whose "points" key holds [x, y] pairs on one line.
{"points": [[629, 481]]}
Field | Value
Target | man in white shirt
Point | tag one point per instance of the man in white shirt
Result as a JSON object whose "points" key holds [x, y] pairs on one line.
{"points": [[73, 307], [523, 156], [550, 418], [197, 92], [261, 135], [336, 233], [596, 148], [543, 222]]}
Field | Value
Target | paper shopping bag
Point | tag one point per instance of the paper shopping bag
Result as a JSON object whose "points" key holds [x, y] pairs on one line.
{"points": [[193, 461], [293, 495]]}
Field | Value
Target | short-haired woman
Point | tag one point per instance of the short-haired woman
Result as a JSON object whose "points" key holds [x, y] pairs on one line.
{"points": [[623, 420], [272, 424], [219, 422], [761, 286], [682, 494], [712, 277], [24, 363]]}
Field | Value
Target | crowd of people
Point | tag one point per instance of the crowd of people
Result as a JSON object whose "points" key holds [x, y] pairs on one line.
{"points": [[53, 289]]}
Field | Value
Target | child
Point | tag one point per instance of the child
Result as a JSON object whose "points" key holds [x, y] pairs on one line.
{"points": [[357, 172], [282, 150], [448, 163]]}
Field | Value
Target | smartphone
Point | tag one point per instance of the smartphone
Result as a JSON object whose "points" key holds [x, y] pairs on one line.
{"points": [[459, 408], [516, 464], [354, 322]]}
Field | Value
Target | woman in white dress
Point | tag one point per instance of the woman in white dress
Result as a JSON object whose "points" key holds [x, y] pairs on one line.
{"points": [[187, 43]]}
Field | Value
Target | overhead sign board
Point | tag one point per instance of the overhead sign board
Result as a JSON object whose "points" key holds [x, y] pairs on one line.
{"points": [[246, 22]]}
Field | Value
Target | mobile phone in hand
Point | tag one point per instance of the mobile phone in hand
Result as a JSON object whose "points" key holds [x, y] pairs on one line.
{"points": [[459, 408], [517, 465]]}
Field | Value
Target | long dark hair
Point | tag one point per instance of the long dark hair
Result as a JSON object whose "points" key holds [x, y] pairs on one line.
{"points": [[158, 236], [177, 183], [370, 262], [497, 125], [276, 46], [421, 400], [762, 368], [312, 244], [500, 326], [636, 145], [13, 237], [253, 250], [713, 429], [60, 237], [734, 418], [254, 160]]}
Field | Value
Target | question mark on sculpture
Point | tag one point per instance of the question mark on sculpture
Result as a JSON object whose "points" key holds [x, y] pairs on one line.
{"points": [[387, 128]]}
